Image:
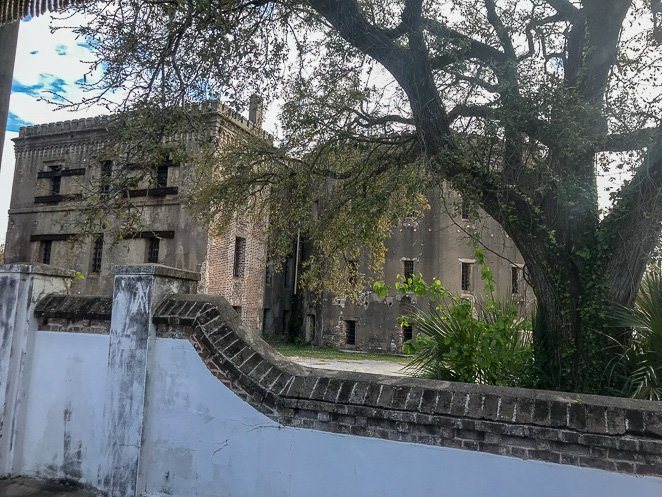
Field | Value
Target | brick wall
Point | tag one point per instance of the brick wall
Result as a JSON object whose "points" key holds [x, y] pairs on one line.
{"points": [[218, 278], [613, 434]]}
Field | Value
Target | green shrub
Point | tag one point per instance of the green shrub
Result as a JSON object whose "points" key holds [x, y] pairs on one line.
{"points": [[487, 342], [639, 371]]}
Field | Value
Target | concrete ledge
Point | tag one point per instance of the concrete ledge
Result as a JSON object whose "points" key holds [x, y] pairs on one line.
{"points": [[35, 268], [155, 270], [613, 434]]}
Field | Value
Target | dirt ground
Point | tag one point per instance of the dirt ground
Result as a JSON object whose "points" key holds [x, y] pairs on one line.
{"points": [[364, 366]]}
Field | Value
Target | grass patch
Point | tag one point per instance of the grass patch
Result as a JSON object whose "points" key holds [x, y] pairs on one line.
{"points": [[331, 353]]}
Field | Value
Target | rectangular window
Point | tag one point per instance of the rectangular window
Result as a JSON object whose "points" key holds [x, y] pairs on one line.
{"points": [[239, 257], [514, 278], [162, 176], [46, 248], [106, 174], [466, 209], [350, 332], [56, 183], [407, 333], [97, 254], [466, 276], [408, 269], [153, 250]]}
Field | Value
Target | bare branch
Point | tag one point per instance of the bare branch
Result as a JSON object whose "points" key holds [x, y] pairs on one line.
{"points": [[622, 142]]}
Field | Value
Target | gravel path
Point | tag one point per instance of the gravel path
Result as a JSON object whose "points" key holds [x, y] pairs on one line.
{"points": [[362, 365]]}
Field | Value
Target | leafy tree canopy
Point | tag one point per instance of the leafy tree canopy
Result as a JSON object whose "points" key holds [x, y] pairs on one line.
{"points": [[519, 103]]}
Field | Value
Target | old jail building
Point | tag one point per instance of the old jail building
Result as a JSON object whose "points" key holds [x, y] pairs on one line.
{"points": [[55, 163]]}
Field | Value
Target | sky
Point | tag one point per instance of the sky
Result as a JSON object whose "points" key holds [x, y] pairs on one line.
{"points": [[53, 62]]}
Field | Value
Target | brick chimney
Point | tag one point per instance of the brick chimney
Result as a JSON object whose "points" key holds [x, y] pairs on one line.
{"points": [[256, 110]]}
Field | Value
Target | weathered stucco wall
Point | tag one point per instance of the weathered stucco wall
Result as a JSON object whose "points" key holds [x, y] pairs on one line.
{"points": [[217, 412], [203, 440], [64, 424]]}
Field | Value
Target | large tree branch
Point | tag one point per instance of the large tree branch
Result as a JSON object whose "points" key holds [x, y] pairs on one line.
{"points": [[469, 48], [623, 142], [565, 8], [632, 228]]}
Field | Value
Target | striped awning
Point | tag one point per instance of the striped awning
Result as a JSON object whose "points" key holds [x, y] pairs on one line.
{"points": [[15, 10]]}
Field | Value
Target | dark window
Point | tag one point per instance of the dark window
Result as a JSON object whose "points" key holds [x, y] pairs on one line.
{"points": [[514, 278], [56, 183], [466, 209], [466, 276], [106, 174], [239, 257], [162, 176], [407, 333], [408, 269], [97, 254], [46, 248], [350, 332], [266, 319], [153, 250]]}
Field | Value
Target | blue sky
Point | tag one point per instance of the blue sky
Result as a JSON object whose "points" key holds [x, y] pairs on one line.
{"points": [[47, 64]]}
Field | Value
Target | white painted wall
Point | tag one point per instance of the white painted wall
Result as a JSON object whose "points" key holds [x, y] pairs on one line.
{"points": [[200, 439], [64, 422]]}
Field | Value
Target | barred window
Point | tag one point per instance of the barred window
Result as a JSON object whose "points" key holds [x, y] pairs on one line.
{"points": [[466, 209], [106, 174], [153, 250], [239, 257], [466, 276], [515, 278], [408, 268], [97, 254], [350, 332], [46, 248]]}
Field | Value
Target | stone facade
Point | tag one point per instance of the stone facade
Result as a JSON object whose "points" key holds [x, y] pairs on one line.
{"points": [[436, 246], [42, 216]]}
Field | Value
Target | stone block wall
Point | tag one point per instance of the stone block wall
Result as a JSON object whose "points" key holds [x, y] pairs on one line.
{"points": [[614, 434]]}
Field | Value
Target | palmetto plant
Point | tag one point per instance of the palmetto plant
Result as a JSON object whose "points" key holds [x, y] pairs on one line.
{"points": [[487, 343], [640, 368]]}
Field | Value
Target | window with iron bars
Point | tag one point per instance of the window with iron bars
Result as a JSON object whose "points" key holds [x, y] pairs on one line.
{"points": [[239, 257], [515, 279], [408, 268], [466, 276], [153, 250], [46, 249], [162, 176], [97, 254]]}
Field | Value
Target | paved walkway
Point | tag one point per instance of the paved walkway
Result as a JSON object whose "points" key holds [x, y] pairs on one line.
{"points": [[29, 487], [362, 365]]}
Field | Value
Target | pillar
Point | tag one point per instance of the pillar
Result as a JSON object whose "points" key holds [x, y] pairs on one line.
{"points": [[22, 286], [136, 293], [8, 41]]}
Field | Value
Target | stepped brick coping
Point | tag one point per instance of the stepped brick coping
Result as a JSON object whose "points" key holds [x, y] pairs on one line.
{"points": [[155, 270], [613, 434], [74, 307]]}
